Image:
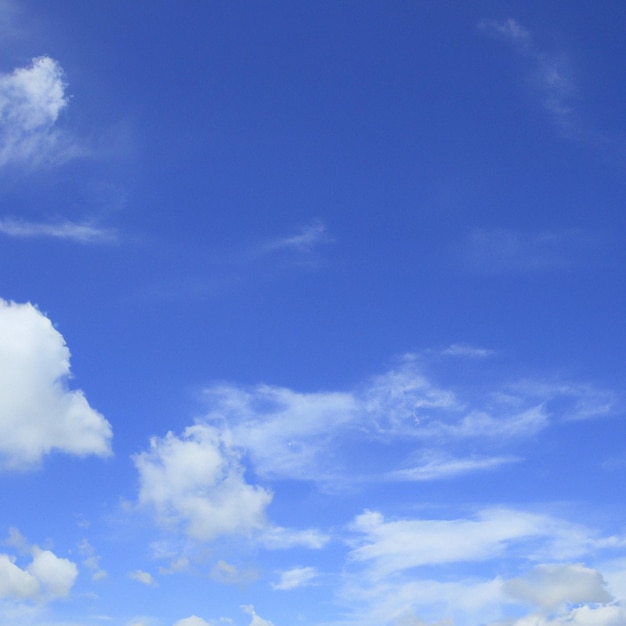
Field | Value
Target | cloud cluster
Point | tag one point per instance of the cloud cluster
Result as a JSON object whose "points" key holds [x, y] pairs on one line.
{"points": [[31, 99], [294, 435], [46, 577], [197, 481], [38, 413], [392, 563]]}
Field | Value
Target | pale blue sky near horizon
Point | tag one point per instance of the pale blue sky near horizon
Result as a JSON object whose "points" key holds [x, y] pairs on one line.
{"points": [[311, 313]]}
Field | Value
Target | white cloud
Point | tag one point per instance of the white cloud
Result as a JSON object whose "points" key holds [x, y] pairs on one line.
{"points": [[143, 577], [256, 619], [279, 538], [549, 586], [91, 560], [310, 236], [193, 620], [436, 468], [31, 99], [38, 414], [228, 574], [283, 430], [551, 74], [466, 351], [15, 582], [197, 481], [71, 231], [296, 435], [46, 577], [57, 575], [295, 577]]}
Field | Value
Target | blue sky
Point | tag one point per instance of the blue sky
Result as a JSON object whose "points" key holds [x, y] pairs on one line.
{"points": [[311, 313]]}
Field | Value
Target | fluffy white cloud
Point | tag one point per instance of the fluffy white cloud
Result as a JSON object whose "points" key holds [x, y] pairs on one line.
{"points": [[294, 578], [15, 582], [197, 481], [31, 99], [256, 619], [142, 577], [56, 574], [47, 576], [38, 414], [548, 586]]}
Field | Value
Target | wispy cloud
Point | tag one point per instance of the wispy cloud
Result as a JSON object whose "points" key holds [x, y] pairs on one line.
{"points": [[498, 250], [306, 240], [464, 350], [551, 73], [72, 231], [31, 101], [438, 468], [294, 578]]}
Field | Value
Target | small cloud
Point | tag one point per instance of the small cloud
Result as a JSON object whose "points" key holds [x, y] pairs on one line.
{"points": [[294, 578], [71, 231], [143, 577], [279, 538], [193, 620], [442, 468], [256, 619], [228, 574], [304, 241], [91, 560], [464, 350]]}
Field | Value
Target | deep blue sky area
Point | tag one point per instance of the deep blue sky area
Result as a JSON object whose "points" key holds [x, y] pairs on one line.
{"points": [[311, 313]]}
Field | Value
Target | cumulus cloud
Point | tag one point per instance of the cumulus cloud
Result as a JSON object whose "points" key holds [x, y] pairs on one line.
{"points": [[67, 230], [549, 586], [38, 413], [256, 619], [197, 481], [46, 577], [294, 578], [145, 578], [31, 100]]}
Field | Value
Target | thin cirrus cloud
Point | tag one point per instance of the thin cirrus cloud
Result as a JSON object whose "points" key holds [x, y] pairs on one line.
{"points": [[437, 468], [31, 101], [84, 233], [287, 434], [304, 241], [551, 74], [38, 413], [503, 251], [295, 578]]}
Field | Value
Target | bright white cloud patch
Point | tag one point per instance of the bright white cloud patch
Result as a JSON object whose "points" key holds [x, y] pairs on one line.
{"points": [[294, 578], [38, 414], [46, 577], [31, 99], [256, 619], [142, 577], [196, 480]]}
